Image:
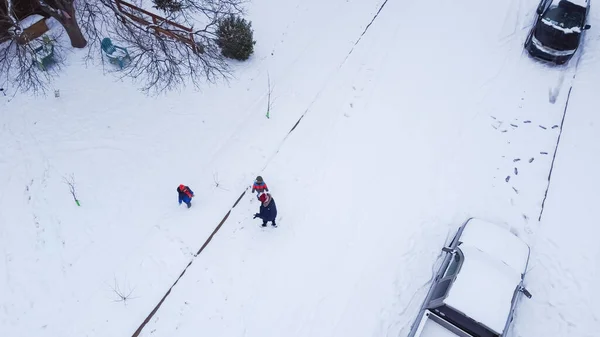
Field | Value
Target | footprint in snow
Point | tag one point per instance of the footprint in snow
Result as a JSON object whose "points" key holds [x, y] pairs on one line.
{"points": [[507, 179], [543, 127], [497, 124], [531, 160], [527, 122], [543, 152], [552, 95], [528, 230], [516, 160], [516, 171]]}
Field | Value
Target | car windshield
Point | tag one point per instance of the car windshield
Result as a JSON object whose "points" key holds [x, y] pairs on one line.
{"points": [[560, 26]]}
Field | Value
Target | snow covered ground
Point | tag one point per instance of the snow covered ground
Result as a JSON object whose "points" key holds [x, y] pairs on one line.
{"points": [[565, 250], [422, 123]]}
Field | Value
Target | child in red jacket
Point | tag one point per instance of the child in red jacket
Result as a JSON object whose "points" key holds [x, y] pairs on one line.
{"points": [[185, 195], [259, 186]]}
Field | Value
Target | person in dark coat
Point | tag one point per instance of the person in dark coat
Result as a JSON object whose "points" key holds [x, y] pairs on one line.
{"points": [[185, 195], [268, 209]]}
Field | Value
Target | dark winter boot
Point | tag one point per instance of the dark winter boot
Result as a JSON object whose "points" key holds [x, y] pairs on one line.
{"points": [[189, 204], [264, 224], [273, 224]]}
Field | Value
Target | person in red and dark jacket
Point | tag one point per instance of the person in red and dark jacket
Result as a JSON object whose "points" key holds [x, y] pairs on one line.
{"points": [[185, 195], [268, 209]]}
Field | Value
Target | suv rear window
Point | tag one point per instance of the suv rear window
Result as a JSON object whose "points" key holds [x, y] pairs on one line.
{"points": [[465, 323]]}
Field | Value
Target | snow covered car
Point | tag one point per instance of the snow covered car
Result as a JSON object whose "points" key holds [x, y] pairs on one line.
{"points": [[479, 283], [556, 34]]}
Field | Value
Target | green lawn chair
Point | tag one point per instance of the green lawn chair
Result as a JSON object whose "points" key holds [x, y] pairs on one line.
{"points": [[115, 54], [43, 53]]}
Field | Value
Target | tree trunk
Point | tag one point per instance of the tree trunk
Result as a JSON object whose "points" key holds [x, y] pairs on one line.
{"points": [[74, 32], [69, 22]]}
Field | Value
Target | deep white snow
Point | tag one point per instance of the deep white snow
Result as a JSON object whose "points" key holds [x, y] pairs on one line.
{"points": [[422, 124], [493, 240]]}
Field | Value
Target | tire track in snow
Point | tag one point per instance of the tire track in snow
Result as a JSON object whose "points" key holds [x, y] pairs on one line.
{"points": [[281, 78], [559, 134], [364, 31], [555, 151], [318, 94], [208, 240]]}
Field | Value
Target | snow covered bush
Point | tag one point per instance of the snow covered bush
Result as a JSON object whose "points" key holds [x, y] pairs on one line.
{"points": [[235, 37], [167, 5]]}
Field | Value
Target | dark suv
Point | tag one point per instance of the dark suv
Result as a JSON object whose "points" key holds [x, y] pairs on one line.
{"points": [[556, 34]]}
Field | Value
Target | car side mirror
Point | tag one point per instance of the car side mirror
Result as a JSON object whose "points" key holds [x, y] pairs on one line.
{"points": [[540, 10], [586, 27], [525, 292], [448, 250]]}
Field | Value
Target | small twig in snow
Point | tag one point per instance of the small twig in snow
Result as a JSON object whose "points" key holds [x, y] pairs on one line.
{"points": [[217, 183], [122, 297], [71, 182], [269, 95]]}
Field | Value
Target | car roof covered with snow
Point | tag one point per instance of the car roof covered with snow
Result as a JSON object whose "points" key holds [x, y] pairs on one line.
{"points": [[494, 261]]}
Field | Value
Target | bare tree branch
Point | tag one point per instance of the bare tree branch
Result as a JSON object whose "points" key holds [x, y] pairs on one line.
{"points": [[70, 181], [167, 52], [18, 70], [164, 56]]}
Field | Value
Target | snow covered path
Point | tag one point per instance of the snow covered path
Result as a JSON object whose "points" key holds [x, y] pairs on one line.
{"points": [[127, 152], [420, 127], [565, 251]]}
